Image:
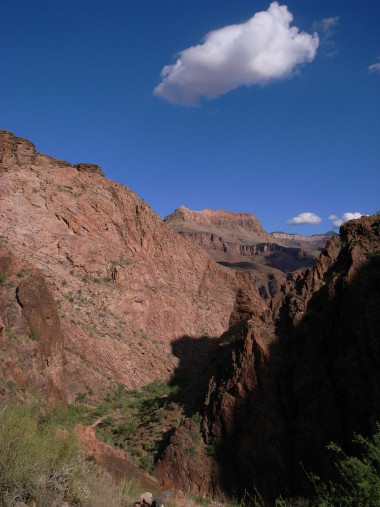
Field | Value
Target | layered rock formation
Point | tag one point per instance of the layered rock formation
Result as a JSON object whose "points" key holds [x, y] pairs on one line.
{"points": [[124, 284], [237, 240], [31, 351], [315, 241], [287, 383]]}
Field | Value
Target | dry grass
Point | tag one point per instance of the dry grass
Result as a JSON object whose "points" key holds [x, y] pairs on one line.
{"points": [[42, 465]]}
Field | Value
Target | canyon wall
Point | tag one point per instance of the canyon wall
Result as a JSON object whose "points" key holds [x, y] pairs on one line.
{"points": [[286, 383], [123, 283]]}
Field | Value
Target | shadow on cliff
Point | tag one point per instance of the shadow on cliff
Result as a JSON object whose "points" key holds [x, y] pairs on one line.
{"points": [[271, 414], [194, 370]]}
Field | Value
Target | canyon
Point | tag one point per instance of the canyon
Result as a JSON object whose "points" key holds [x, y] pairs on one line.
{"points": [[238, 241], [98, 294]]}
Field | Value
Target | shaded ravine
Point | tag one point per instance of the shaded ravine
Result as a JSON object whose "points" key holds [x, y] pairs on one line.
{"points": [[282, 387]]}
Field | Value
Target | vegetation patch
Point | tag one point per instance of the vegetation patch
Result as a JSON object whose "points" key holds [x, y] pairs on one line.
{"points": [[139, 420], [40, 465], [359, 476]]}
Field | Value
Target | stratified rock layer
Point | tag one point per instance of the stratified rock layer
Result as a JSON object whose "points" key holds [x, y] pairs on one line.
{"points": [[237, 240], [125, 285]]}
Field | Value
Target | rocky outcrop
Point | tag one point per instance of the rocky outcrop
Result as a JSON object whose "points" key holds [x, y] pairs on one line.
{"points": [[188, 448], [32, 342], [89, 168], [305, 373], [243, 225], [125, 285], [316, 241], [238, 241], [40, 311]]}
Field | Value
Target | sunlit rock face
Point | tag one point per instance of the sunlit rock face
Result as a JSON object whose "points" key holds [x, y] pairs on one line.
{"points": [[238, 241], [125, 285]]}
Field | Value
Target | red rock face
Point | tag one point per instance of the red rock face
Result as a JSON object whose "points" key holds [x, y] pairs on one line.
{"points": [[126, 286], [235, 223], [31, 352], [238, 241], [302, 375], [40, 311]]}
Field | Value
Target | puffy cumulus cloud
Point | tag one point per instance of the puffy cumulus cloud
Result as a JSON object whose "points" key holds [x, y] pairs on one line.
{"points": [[305, 218], [337, 222], [262, 49], [375, 67]]}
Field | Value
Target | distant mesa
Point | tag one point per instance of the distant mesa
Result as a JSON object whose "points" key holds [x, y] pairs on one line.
{"points": [[238, 241]]}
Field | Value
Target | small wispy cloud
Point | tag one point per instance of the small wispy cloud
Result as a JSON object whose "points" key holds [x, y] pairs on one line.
{"points": [[337, 222], [328, 24], [263, 49], [327, 27], [375, 67], [305, 218]]}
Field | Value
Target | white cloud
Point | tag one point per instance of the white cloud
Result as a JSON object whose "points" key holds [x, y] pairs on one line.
{"points": [[375, 67], [351, 216], [327, 24], [262, 49], [327, 27], [304, 218], [344, 218]]}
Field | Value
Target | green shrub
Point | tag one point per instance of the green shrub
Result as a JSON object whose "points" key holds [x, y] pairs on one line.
{"points": [[190, 451], [11, 385], [127, 428], [146, 463], [33, 335], [107, 421], [196, 417], [211, 450], [359, 476], [30, 449], [199, 500], [80, 397], [43, 466]]}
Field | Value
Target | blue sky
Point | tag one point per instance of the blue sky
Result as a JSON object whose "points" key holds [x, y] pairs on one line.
{"points": [[297, 131]]}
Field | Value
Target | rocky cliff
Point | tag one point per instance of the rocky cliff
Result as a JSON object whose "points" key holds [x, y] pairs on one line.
{"points": [[100, 287], [244, 227], [286, 383], [316, 241], [238, 241]]}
